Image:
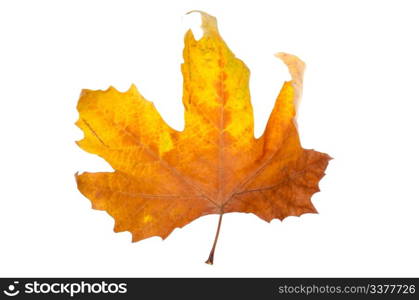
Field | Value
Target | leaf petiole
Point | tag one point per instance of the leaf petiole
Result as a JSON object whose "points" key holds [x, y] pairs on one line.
{"points": [[210, 259]]}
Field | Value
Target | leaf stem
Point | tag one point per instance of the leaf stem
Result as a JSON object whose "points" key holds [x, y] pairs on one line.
{"points": [[210, 259]]}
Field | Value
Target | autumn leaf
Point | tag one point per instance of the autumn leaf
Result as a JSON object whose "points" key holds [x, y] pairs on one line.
{"points": [[165, 178]]}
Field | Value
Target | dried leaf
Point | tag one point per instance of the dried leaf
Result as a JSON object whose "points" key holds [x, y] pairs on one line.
{"points": [[165, 179]]}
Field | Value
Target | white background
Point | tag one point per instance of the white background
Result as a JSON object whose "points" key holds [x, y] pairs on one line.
{"points": [[360, 105]]}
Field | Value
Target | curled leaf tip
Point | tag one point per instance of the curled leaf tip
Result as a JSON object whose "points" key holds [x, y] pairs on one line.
{"points": [[209, 23], [296, 68]]}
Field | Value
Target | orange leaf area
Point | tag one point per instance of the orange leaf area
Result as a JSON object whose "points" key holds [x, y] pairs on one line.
{"points": [[165, 179]]}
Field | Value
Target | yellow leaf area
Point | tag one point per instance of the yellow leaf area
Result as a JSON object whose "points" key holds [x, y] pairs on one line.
{"points": [[165, 179]]}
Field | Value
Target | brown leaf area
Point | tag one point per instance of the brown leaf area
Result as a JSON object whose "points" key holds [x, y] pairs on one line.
{"points": [[165, 179]]}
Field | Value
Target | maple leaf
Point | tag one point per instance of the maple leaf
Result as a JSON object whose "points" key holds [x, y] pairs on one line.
{"points": [[165, 179]]}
